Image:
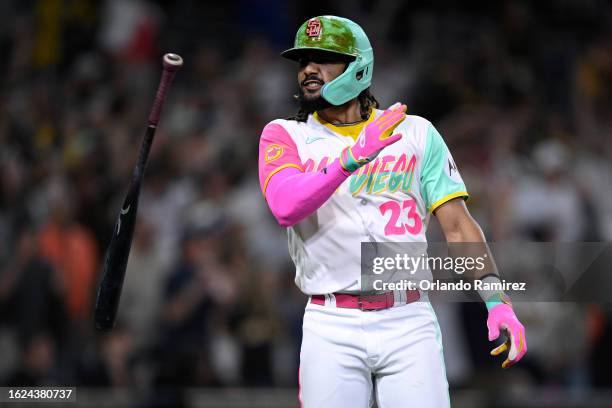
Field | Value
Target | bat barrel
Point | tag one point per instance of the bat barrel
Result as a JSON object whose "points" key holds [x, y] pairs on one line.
{"points": [[116, 259]]}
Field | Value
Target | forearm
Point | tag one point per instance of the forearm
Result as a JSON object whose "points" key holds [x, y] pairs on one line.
{"points": [[475, 246], [293, 195], [466, 239]]}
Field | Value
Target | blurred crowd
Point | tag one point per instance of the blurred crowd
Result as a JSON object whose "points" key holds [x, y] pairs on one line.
{"points": [[521, 92]]}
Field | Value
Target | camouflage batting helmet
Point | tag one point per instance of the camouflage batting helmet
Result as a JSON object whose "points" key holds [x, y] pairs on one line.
{"points": [[342, 37]]}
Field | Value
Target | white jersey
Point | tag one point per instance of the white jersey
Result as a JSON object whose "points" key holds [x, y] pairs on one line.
{"points": [[387, 200]]}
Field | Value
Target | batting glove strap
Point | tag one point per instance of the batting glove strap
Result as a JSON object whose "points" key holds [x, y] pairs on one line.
{"points": [[348, 161], [498, 299], [502, 319]]}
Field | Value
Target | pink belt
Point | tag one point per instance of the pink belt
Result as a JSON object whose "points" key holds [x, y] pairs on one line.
{"points": [[366, 302]]}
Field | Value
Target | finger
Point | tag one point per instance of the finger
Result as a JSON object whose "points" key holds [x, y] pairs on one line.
{"points": [[391, 139], [518, 349], [396, 107], [508, 363], [513, 346], [382, 118], [388, 130], [500, 349], [520, 346], [493, 332], [389, 120], [392, 120], [393, 127], [398, 110]]}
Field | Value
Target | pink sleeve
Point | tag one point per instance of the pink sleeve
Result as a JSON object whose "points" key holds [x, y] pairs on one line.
{"points": [[292, 195], [277, 151]]}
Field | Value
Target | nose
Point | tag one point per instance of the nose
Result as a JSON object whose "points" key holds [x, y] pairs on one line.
{"points": [[310, 67]]}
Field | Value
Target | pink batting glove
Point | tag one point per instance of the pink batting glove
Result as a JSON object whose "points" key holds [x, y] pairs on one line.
{"points": [[375, 137], [502, 317]]}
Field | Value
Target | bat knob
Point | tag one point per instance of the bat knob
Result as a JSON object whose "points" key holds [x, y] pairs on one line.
{"points": [[172, 61]]}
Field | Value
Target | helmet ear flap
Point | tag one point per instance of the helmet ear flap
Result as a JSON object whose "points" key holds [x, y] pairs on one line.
{"points": [[347, 86]]}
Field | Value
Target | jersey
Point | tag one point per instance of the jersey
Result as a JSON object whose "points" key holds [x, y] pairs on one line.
{"points": [[389, 199]]}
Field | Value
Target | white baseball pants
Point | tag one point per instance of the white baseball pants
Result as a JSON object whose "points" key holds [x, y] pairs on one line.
{"points": [[349, 358]]}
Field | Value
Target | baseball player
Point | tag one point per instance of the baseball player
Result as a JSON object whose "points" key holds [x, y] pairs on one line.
{"points": [[342, 172]]}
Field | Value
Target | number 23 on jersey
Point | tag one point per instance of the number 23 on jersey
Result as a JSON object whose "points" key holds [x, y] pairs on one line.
{"points": [[403, 217]]}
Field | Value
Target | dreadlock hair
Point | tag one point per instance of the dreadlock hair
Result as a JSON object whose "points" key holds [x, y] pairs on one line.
{"points": [[367, 101]]}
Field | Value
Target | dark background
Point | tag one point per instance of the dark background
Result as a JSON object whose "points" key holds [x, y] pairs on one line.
{"points": [[521, 91]]}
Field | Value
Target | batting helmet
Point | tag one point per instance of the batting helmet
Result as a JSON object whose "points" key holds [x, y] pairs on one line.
{"points": [[340, 36]]}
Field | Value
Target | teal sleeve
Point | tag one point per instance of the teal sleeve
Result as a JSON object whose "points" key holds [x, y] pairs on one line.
{"points": [[440, 179]]}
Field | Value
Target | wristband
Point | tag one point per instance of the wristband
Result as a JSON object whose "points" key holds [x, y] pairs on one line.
{"points": [[493, 298], [498, 299], [348, 161]]}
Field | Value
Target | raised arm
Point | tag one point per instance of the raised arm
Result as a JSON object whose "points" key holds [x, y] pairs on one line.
{"points": [[293, 195]]}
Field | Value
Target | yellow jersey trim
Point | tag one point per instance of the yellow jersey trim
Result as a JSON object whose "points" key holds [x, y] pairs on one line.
{"points": [[448, 198], [276, 170], [352, 131]]}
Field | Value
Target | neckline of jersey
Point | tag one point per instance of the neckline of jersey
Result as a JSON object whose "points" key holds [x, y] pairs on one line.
{"points": [[351, 131]]}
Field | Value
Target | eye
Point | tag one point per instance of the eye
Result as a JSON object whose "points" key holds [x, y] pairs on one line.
{"points": [[323, 59], [316, 58]]}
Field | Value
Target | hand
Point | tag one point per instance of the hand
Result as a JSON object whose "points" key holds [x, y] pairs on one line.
{"points": [[375, 137], [502, 317]]}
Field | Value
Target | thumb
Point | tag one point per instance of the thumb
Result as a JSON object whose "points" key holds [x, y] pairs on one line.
{"points": [[493, 331], [391, 139]]}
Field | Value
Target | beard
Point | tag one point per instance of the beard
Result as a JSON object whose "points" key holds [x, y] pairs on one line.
{"points": [[310, 104]]}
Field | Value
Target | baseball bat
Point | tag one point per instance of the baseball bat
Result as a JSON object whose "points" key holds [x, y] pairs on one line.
{"points": [[117, 254]]}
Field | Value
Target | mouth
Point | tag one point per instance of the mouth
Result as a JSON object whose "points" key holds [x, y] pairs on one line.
{"points": [[312, 85]]}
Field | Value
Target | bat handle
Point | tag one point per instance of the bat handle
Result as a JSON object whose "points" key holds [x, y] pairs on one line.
{"points": [[172, 62]]}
